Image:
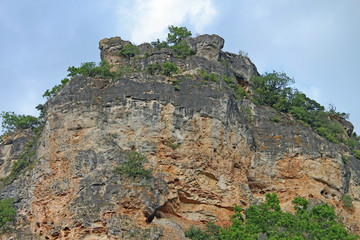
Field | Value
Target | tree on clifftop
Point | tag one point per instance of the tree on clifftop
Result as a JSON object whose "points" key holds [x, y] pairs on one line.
{"points": [[177, 34]]}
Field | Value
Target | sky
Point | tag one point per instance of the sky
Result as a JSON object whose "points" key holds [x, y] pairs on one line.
{"points": [[315, 42]]}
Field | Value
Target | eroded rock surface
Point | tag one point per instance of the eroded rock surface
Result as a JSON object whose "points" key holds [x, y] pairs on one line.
{"points": [[208, 151]]}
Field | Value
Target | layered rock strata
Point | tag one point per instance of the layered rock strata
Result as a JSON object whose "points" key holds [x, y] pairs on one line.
{"points": [[208, 151]]}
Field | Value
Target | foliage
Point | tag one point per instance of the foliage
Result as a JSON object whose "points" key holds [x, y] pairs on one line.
{"points": [[176, 85], [345, 159], [272, 89], [154, 68], [129, 51], [182, 50], [212, 232], [23, 160], [243, 54], [347, 200], [91, 69], [7, 213], [11, 122], [175, 42], [177, 34], [274, 118], [357, 154], [270, 222], [49, 94], [159, 45], [239, 92], [166, 69], [169, 68], [133, 166], [208, 77], [173, 144]]}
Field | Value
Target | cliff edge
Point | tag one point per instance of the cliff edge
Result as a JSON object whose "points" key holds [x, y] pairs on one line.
{"points": [[208, 150]]}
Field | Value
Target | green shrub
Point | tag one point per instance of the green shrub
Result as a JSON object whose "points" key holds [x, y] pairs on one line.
{"points": [[23, 160], [169, 69], [347, 201], [173, 144], [212, 232], [154, 68], [345, 159], [270, 222], [51, 93], [159, 45], [133, 166], [11, 122], [7, 213], [91, 69], [177, 34], [208, 77], [357, 154], [129, 51], [182, 50], [274, 118], [272, 89], [243, 54], [239, 92]]}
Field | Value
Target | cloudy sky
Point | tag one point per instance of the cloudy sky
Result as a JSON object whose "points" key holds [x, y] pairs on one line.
{"points": [[317, 42]]}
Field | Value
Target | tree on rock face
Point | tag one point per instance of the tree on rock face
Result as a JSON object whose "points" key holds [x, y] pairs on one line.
{"points": [[177, 34], [268, 221]]}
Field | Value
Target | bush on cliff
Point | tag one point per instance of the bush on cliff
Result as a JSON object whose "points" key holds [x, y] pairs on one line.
{"points": [[177, 34], [7, 213], [133, 166], [11, 122], [91, 69], [129, 51], [51, 93], [175, 42], [273, 89], [270, 222]]}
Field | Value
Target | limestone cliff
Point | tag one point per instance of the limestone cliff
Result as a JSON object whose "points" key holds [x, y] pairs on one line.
{"points": [[227, 151]]}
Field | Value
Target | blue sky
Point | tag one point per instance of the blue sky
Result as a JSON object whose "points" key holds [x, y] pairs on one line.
{"points": [[315, 42]]}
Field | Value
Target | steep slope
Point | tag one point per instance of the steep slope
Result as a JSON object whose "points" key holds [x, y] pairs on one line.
{"points": [[208, 151]]}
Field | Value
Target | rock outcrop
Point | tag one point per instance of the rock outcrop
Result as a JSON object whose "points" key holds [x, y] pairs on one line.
{"points": [[208, 151]]}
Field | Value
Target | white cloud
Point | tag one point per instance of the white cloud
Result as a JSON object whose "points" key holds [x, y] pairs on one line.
{"points": [[148, 20]]}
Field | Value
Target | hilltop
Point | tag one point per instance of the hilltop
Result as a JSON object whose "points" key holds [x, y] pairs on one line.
{"points": [[167, 135]]}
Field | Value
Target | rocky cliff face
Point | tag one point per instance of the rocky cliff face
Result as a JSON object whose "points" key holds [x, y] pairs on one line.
{"points": [[208, 151]]}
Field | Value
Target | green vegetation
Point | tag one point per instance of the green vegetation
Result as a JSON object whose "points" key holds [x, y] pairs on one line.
{"points": [[175, 42], [182, 50], [166, 69], [212, 232], [345, 159], [159, 45], [11, 122], [51, 93], [176, 85], [347, 201], [169, 69], [177, 34], [7, 213], [357, 154], [91, 69], [274, 118], [129, 51], [208, 76], [154, 68], [272, 89], [270, 222], [23, 161], [133, 166], [243, 54], [172, 144], [239, 92]]}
